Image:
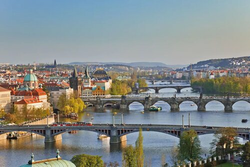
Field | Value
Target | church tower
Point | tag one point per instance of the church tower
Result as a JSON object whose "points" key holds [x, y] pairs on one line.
{"points": [[86, 78], [75, 82]]}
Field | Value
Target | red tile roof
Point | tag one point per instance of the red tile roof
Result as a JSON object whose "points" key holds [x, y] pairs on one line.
{"points": [[4, 90], [28, 101]]}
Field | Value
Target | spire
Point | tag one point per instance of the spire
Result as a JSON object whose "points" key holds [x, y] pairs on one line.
{"points": [[75, 73], [86, 72], [55, 63]]}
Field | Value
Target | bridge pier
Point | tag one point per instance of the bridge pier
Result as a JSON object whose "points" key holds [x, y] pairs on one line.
{"points": [[174, 107], [228, 108], [156, 90], [49, 138], [201, 106], [123, 106], [178, 90], [115, 138]]}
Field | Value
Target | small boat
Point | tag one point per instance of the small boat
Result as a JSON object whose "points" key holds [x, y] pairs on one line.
{"points": [[192, 105], [244, 120], [155, 108], [142, 112]]}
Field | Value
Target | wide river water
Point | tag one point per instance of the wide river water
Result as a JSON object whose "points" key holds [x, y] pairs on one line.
{"points": [[157, 146]]}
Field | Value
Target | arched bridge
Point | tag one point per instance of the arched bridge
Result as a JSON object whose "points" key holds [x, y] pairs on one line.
{"points": [[158, 88], [123, 102], [116, 132]]}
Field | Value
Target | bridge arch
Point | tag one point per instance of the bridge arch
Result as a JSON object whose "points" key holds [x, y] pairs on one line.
{"points": [[88, 104], [174, 133], [188, 105], [241, 105], [109, 104], [38, 132], [214, 105], [139, 105], [171, 90], [165, 105]]}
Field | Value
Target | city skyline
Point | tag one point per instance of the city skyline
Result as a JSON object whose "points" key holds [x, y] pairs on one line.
{"points": [[171, 32]]}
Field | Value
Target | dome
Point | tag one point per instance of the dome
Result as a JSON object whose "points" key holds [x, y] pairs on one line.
{"points": [[30, 77], [100, 72], [55, 163]]}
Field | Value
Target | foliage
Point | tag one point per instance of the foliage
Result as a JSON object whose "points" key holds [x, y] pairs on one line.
{"points": [[25, 114], [2, 112], [129, 157], [189, 146], [111, 164], [142, 82], [120, 87], [246, 153], [223, 85], [224, 140], [73, 104], [84, 160], [139, 150], [174, 155]]}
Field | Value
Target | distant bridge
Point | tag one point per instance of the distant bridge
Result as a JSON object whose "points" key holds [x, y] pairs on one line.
{"points": [[157, 88], [123, 102], [117, 133], [171, 81]]}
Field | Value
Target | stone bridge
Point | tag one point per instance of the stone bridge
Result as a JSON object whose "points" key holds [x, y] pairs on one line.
{"points": [[158, 88], [117, 133], [174, 102]]}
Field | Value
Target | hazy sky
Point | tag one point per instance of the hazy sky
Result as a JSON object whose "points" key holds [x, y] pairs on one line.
{"points": [[168, 31]]}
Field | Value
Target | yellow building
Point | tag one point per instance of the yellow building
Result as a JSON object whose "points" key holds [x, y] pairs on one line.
{"points": [[5, 99]]}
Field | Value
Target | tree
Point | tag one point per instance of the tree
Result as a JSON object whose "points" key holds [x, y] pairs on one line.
{"points": [[246, 154], [139, 150], [224, 141], [174, 155], [62, 102], [70, 105], [85, 160], [189, 146], [129, 157]]}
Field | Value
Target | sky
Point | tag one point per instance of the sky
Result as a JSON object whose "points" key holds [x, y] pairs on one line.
{"points": [[168, 31]]}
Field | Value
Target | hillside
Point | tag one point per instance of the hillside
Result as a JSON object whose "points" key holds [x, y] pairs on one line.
{"points": [[222, 63]]}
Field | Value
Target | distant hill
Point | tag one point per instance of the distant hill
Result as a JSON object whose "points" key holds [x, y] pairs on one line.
{"points": [[222, 63], [133, 64]]}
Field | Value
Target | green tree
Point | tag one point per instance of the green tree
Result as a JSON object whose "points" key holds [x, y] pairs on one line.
{"points": [[139, 150], [246, 154], [61, 102], [85, 160], [189, 146], [142, 82], [225, 138], [73, 104], [129, 157]]}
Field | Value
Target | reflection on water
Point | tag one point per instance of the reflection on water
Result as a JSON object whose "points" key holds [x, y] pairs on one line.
{"points": [[17, 152]]}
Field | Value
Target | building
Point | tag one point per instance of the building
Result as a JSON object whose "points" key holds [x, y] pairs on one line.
{"points": [[30, 80], [55, 94], [100, 74], [98, 85], [52, 162], [5, 99], [31, 103], [75, 82]]}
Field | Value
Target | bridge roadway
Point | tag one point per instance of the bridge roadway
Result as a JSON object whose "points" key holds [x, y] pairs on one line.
{"points": [[123, 102], [116, 132]]}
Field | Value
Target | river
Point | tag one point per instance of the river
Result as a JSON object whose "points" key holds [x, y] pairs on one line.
{"points": [[157, 146]]}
